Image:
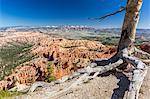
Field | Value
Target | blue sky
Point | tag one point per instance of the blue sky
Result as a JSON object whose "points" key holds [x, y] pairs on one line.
{"points": [[66, 12]]}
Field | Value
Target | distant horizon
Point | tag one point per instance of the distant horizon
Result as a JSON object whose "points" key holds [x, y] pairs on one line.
{"points": [[67, 25]]}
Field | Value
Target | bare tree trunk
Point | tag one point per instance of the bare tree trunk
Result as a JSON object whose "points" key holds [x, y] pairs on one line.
{"points": [[126, 41], [130, 23]]}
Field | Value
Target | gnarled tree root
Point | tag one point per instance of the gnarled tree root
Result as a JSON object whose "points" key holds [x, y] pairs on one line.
{"points": [[140, 51], [102, 66], [139, 73]]}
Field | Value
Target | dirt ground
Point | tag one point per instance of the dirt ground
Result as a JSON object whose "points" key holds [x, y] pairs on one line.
{"points": [[106, 86]]}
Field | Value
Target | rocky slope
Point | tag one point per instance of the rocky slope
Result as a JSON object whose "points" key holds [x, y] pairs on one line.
{"points": [[64, 57]]}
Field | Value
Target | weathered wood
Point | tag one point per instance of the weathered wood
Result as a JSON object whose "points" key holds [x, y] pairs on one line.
{"points": [[101, 69], [126, 41], [108, 15], [38, 84], [68, 88], [85, 77], [146, 61], [142, 52], [139, 73], [130, 23]]}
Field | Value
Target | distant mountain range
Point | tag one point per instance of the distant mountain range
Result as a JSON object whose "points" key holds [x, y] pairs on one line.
{"points": [[28, 28], [141, 33]]}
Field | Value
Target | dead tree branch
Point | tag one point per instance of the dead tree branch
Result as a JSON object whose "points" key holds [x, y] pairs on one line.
{"points": [[108, 15]]}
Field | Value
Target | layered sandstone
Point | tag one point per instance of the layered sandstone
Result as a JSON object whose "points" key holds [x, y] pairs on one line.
{"points": [[70, 55]]}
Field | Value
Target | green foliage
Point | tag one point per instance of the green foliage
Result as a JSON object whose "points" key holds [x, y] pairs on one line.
{"points": [[8, 95], [13, 55], [109, 39], [4, 94], [105, 39], [50, 77]]}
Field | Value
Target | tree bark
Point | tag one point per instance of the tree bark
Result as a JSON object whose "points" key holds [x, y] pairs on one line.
{"points": [[130, 23]]}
